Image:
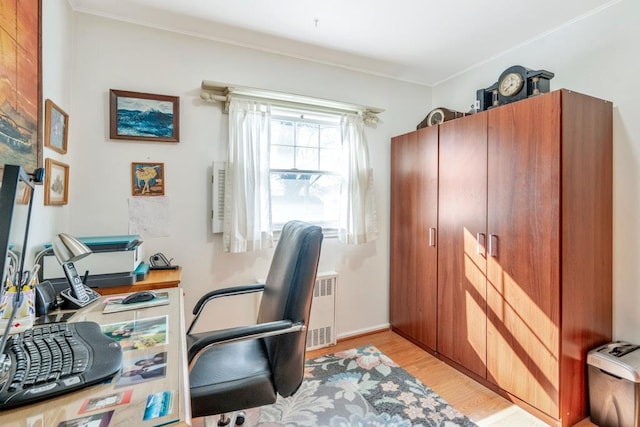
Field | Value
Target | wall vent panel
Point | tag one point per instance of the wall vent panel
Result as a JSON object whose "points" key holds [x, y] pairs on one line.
{"points": [[322, 322]]}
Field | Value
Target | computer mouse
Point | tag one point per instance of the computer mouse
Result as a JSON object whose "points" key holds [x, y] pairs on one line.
{"points": [[139, 297]]}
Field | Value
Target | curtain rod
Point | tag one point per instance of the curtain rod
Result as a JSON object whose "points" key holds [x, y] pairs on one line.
{"points": [[220, 92]]}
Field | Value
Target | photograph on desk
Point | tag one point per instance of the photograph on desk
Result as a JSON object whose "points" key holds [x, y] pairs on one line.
{"points": [[97, 420], [107, 401], [144, 366], [158, 405], [138, 334]]}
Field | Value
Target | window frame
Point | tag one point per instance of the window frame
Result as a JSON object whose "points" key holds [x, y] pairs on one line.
{"points": [[295, 116]]}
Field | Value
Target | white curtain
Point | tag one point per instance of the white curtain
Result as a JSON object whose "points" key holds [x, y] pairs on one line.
{"points": [[247, 207], [358, 223]]}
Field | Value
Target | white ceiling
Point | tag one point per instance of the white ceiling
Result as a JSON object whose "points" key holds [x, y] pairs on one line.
{"points": [[420, 41]]}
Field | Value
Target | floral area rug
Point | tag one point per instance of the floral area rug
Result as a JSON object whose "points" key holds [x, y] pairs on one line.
{"points": [[359, 387]]}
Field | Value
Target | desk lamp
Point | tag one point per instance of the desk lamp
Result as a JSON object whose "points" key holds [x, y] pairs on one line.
{"points": [[67, 250]]}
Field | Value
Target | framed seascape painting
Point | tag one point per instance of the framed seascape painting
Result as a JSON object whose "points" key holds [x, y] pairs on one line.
{"points": [[144, 116], [56, 183], [20, 84], [147, 179], [56, 127]]}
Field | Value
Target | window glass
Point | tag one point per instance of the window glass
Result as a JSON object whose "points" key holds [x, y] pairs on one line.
{"points": [[308, 197], [281, 157], [307, 158], [282, 132], [305, 161]]}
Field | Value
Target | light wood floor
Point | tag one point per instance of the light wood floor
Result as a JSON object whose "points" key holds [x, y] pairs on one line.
{"points": [[482, 405]]}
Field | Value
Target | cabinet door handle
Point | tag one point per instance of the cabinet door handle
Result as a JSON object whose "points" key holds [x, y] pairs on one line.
{"points": [[432, 237], [481, 242], [493, 245]]}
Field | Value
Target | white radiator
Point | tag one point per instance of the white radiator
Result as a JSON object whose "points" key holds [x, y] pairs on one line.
{"points": [[322, 322]]}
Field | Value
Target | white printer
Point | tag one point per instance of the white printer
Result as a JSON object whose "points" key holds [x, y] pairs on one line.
{"points": [[115, 260]]}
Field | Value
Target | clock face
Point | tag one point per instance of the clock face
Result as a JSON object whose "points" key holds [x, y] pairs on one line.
{"points": [[436, 117], [511, 84]]}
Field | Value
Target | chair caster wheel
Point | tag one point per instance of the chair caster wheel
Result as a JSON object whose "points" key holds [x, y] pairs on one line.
{"points": [[224, 421], [240, 419]]}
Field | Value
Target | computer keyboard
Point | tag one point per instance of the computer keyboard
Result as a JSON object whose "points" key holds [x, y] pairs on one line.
{"points": [[51, 360]]}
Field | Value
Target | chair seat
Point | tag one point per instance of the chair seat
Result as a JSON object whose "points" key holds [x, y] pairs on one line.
{"points": [[231, 377]]}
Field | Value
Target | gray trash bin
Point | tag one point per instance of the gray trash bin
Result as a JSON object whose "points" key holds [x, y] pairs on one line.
{"points": [[614, 385]]}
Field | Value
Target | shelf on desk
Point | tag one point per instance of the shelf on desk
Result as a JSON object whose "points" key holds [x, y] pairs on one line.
{"points": [[156, 279]]}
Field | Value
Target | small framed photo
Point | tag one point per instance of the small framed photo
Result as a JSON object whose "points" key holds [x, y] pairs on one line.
{"points": [[147, 179], [56, 183], [144, 116], [56, 126]]}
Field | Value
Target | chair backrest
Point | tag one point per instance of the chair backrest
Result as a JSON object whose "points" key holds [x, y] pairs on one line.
{"points": [[287, 296]]}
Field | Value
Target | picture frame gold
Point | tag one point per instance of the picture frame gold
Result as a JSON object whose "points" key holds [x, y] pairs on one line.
{"points": [[56, 127], [147, 179], [56, 183], [26, 194], [139, 116]]}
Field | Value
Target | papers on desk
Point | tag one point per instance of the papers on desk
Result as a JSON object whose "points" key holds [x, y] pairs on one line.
{"points": [[114, 304]]}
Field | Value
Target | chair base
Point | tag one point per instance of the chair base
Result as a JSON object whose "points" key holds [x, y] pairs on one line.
{"points": [[224, 420]]}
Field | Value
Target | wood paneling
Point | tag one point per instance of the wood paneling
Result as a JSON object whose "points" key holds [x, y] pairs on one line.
{"points": [[156, 279], [413, 269], [587, 178], [523, 222], [462, 218]]}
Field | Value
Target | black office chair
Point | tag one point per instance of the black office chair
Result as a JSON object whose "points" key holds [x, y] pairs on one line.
{"points": [[244, 367]]}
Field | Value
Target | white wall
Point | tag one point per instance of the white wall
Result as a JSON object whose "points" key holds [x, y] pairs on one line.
{"points": [[56, 85], [596, 56], [109, 54]]}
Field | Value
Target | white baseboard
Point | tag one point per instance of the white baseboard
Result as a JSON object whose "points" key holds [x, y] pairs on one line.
{"points": [[377, 328]]}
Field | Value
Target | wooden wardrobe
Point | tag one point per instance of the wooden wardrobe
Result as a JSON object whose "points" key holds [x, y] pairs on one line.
{"points": [[501, 246]]}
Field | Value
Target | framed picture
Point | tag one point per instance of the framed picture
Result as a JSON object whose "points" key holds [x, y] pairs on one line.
{"points": [[21, 84], [56, 127], [147, 179], [56, 183], [144, 116]]}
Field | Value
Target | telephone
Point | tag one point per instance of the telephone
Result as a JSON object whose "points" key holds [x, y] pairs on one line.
{"points": [[46, 300], [160, 262], [78, 294]]}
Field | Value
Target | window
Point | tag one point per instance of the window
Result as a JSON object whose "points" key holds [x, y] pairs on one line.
{"points": [[286, 164], [305, 161]]}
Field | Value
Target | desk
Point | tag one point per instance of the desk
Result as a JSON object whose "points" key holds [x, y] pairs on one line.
{"points": [[156, 279], [68, 407]]}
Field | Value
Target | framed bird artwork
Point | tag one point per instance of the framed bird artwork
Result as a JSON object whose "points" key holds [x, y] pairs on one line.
{"points": [[147, 179]]}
